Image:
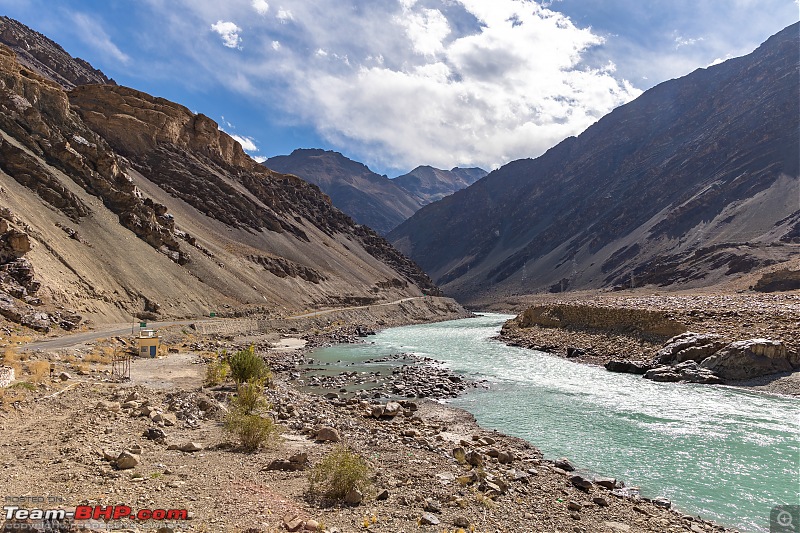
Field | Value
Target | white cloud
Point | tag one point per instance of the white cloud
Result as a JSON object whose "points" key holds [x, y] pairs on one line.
{"points": [[248, 143], [91, 32], [258, 158], [261, 6], [229, 33], [446, 82], [284, 15]]}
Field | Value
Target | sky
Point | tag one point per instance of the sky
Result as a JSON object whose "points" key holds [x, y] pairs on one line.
{"points": [[400, 83]]}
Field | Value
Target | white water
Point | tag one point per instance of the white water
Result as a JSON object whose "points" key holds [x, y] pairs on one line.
{"points": [[722, 453]]}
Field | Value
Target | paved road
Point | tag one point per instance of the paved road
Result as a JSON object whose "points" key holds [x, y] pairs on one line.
{"points": [[326, 311], [111, 330], [107, 330]]}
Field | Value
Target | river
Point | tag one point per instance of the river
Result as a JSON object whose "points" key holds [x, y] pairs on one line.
{"points": [[723, 453]]}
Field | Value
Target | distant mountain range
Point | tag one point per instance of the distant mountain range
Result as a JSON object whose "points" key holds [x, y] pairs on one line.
{"points": [[116, 203], [694, 181], [371, 199]]}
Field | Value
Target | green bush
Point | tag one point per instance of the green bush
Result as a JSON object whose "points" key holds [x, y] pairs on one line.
{"points": [[253, 431], [246, 366], [216, 372], [249, 397], [338, 473]]}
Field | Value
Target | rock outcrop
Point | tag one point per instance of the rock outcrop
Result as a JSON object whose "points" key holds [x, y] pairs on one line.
{"points": [[46, 58], [127, 199], [748, 359]]}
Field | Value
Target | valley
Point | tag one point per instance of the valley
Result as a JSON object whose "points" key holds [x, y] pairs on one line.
{"points": [[605, 338]]}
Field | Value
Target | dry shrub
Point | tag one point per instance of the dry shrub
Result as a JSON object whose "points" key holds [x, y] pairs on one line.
{"points": [[39, 370], [338, 473], [253, 431]]}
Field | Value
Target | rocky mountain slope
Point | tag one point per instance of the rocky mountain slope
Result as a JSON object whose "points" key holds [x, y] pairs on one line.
{"points": [[46, 58], [368, 197], [428, 184], [117, 203], [377, 201], [694, 181]]}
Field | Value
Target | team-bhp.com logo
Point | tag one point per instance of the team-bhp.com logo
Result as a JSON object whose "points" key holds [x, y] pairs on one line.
{"points": [[94, 512]]}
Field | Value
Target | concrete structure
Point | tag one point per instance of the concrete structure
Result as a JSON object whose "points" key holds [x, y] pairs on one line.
{"points": [[147, 343]]}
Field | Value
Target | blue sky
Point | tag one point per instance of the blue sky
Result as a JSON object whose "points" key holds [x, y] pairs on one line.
{"points": [[401, 83]]}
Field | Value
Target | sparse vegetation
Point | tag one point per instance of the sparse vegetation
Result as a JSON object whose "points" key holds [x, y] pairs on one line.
{"points": [[246, 366], [39, 370], [338, 473], [249, 397], [252, 430], [217, 372]]}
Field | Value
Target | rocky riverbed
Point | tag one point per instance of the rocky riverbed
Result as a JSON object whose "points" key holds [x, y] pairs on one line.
{"points": [[629, 332], [90, 441]]}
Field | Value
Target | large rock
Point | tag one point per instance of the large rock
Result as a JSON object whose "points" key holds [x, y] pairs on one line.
{"points": [[628, 367], [6, 376], [688, 371], [689, 346], [749, 359], [328, 434]]}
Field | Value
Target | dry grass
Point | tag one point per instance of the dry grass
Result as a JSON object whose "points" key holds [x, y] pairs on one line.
{"points": [[39, 370], [102, 355]]}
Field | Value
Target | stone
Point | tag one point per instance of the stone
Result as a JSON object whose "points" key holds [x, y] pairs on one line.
{"points": [[600, 501], [64, 376], [572, 351], [429, 519], [617, 527], [749, 359], [581, 482], [506, 457], [154, 434], [574, 506], [382, 495], [628, 367], [474, 458], [433, 506], [127, 460], [292, 522], [377, 411], [280, 464], [311, 525], [606, 482], [353, 497], [461, 521], [664, 503], [564, 464], [328, 434], [7, 376], [392, 409], [191, 447]]}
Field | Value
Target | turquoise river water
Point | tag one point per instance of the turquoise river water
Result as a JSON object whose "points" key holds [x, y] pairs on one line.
{"points": [[722, 453]]}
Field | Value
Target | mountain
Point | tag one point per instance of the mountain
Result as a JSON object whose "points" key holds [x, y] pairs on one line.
{"points": [[695, 180], [369, 198], [46, 58], [377, 201], [117, 203], [427, 184]]}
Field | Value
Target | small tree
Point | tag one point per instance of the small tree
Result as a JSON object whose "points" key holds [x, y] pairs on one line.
{"points": [[246, 366], [252, 430]]}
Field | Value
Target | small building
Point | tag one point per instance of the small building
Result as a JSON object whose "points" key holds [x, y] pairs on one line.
{"points": [[148, 342]]}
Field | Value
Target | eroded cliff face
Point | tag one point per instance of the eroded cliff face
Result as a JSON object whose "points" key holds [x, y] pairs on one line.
{"points": [[151, 206]]}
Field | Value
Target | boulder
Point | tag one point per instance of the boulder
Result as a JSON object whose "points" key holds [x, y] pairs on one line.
{"points": [[749, 359], [564, 464], [392, 409], [687, 371], [429, 519], [689, 345], [328, 434], [628, 367], [127, 460], [353, 497]]}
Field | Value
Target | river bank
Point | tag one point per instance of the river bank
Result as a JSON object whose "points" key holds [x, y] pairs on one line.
{"points": [[65, 428], [635, 327]]}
